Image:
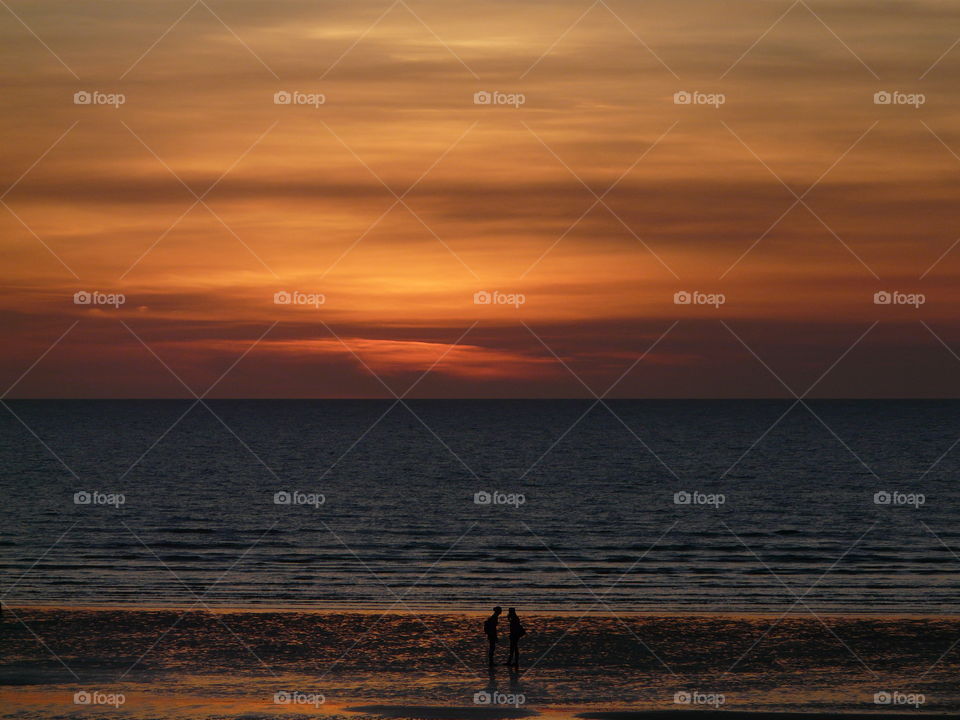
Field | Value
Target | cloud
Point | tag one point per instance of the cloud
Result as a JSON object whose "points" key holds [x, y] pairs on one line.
{"points": [[502, 198]]}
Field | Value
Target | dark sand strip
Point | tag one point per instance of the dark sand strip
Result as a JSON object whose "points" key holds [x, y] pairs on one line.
{"points": [[745, 715]]}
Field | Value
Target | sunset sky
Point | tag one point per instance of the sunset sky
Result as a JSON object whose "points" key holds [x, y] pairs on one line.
{"points": [[398, 198]]}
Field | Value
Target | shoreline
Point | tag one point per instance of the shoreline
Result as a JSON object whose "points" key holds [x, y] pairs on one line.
{"points": [[185, 707], [469, 612]]}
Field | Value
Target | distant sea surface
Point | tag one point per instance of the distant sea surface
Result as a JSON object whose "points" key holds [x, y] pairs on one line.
{"points": [[787, 505]]}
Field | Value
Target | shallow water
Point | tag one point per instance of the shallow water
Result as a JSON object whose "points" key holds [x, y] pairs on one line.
{"points": [[202, 661]]}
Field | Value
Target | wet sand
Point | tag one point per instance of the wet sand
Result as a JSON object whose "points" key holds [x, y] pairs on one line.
{"points": [[440, 712], [227, 664]]}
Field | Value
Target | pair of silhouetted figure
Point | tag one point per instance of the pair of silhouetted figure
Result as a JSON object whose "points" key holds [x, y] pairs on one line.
{"points": [[516, 632]]}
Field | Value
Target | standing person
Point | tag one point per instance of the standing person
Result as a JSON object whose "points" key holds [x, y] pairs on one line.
{"points": [[516, 632], [490, 628]]}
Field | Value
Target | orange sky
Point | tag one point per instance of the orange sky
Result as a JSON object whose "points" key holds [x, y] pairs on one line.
{"points": [[399, 198]]}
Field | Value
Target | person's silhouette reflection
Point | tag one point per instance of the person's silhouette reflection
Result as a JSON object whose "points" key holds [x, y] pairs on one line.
{"points": [[515, 687], [516, 632], [490, 628], [491, 680]]}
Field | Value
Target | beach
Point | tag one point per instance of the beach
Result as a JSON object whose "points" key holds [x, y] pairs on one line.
{"points": [[213, 593], [196, 663]]}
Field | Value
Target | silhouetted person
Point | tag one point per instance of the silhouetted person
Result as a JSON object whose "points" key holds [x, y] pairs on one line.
{"points": [[490, 628], [516, 632]]}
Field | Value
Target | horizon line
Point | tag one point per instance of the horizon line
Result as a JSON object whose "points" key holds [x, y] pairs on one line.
{"points": [[387, 398]]}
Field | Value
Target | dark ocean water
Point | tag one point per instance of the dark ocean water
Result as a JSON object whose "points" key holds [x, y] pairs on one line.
{"points": [[399, 526]]}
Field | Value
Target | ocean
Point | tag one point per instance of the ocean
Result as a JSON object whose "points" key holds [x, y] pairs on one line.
{"points": [[430, 506]]}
